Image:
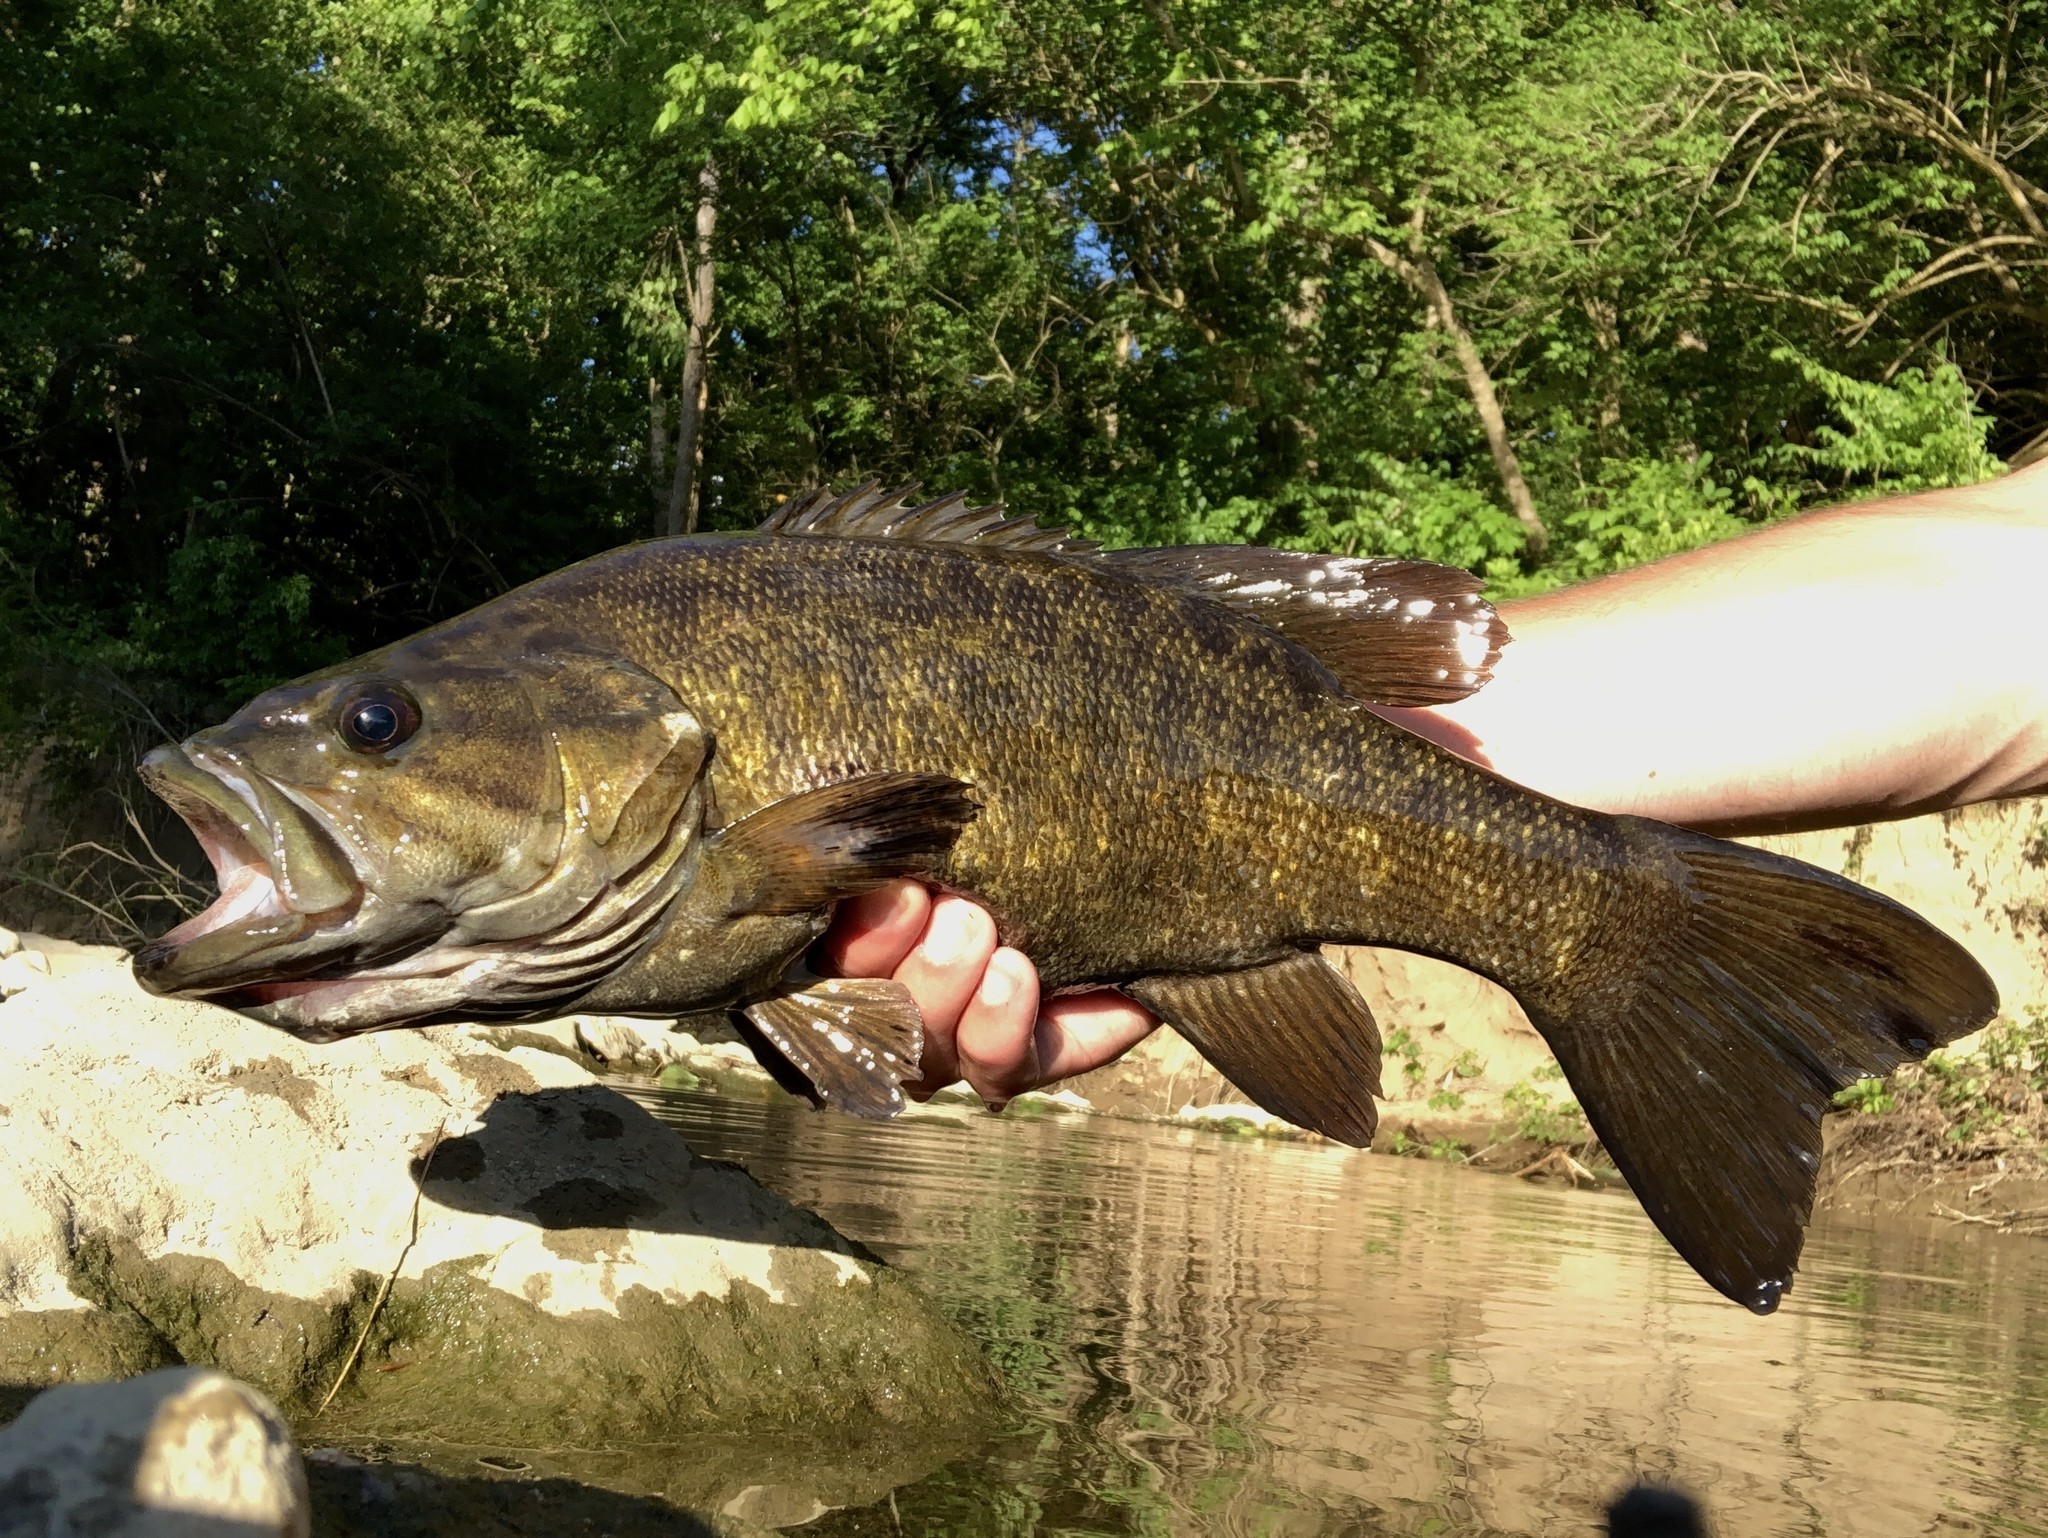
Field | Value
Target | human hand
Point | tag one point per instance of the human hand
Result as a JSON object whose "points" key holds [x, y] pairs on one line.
{"points": [[983, 1019]]}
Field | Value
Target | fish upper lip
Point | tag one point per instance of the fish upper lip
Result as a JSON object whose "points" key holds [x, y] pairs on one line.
{"points": [[224, 808], [314, 876]]}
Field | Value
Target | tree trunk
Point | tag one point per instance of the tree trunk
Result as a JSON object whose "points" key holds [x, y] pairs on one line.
{"points": [[1420, 274], [683, 493], [657, 447]]}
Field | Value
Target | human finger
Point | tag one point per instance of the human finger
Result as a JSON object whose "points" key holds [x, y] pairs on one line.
{"points": [[872, 933], [1082, 1031], [996, 1041], [942, 972]]}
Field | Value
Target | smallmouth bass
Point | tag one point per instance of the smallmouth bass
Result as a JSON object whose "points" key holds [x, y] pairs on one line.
{"points": [[640, 785]]}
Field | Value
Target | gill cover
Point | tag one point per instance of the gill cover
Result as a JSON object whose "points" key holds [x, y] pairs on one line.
{"points": [[627, 754], [547, 814]]}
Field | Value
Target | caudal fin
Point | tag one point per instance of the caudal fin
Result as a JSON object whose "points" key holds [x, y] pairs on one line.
{"points": [[1706, 1070]]}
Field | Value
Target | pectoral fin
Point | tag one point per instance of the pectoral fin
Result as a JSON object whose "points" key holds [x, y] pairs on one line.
{"points": [[811, 849], [856, 1039], [1292, 1034]]}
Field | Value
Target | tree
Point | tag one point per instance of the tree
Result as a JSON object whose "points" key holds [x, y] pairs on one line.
{"points": [[328, 318]]}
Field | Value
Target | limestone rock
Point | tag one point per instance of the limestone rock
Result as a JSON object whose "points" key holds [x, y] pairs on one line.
{"points": [[21, 972], [705, 1043], [624, 1042], [182, 1453], [188, 1186]]}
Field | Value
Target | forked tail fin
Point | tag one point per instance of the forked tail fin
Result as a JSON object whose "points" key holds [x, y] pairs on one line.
{"points": [[1706, 1069]]}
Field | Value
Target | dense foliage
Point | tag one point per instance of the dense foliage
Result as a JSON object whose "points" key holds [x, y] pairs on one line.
{"points": [[324, 318]]}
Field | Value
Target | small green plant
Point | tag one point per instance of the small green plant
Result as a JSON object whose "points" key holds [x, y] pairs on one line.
{"points": [[1547, 1073], [1541, 1119], [1468, 1064], [1868, 1097], [1401, 1145], [1446, 1100], [1920, 429], [1997, 1087], [1448, 1149], [1403, 1045]]}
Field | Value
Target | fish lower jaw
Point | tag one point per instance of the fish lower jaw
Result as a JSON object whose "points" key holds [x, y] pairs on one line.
{"points": [[249, 928], [308, 1010], [260, 925]]}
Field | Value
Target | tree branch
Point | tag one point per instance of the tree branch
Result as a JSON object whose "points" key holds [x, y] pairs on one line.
{"points": [[681, 513], [1421, 276]]}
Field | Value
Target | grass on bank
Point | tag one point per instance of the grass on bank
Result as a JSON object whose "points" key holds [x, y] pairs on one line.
{"points": [[1986, 1102]]}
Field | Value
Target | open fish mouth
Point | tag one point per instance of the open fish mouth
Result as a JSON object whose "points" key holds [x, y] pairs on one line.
{"points": [[303, 939], [288, 899]]}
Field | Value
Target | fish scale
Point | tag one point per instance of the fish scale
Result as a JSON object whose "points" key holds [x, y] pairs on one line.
{"points": [[640, 785]]}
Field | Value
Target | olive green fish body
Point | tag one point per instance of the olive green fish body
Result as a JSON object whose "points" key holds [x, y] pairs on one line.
{"points": [[640, 784], [1157, 778], [1164, 786]]}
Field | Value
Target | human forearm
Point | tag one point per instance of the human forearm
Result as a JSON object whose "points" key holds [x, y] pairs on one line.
{"points": [[1864, 662]]}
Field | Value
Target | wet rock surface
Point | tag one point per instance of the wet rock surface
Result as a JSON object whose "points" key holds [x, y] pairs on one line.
{"points": [[480, 1243], [183, 1453]]}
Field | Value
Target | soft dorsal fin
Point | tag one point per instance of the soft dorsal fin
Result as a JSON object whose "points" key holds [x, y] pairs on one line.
{"points": [[869, 512], [1392, 632]]}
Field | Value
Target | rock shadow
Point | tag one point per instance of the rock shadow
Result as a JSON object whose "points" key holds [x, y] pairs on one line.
{"points": [[14, 1398], [397, 1500], [586, 1157]]}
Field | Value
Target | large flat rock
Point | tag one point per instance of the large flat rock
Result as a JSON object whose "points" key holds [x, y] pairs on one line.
{"points": [[525, 1256]]}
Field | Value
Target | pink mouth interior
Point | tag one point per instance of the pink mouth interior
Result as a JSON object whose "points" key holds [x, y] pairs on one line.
{"points": [[247, 889], [270, 993]]}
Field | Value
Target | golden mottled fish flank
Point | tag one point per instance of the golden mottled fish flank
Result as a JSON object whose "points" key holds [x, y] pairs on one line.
{"points": [[1223, 772], [1155, 769]]}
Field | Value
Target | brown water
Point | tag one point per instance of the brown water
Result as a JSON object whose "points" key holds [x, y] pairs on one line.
{"points": [[1208, 1334]]}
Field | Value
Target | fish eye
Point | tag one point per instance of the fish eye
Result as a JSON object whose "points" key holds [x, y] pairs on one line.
{"points": [[378, 719]]}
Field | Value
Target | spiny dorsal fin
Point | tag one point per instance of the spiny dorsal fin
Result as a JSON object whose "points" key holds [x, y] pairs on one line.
{"points": [[869, 512], [1393, 632]]}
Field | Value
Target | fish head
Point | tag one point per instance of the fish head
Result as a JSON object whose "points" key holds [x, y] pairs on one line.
{"points": [[419, 835]]}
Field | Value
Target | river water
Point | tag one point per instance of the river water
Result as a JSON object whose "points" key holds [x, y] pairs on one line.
{"points": [[1214, 1334]]}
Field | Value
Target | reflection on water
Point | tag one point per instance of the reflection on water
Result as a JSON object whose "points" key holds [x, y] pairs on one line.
{"points": [[1209, 1335]]}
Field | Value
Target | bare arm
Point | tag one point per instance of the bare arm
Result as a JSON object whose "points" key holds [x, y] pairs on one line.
{"points": [[1858, 663]]}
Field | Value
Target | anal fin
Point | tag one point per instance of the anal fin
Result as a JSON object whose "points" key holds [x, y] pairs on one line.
{"points": [[1292, 1034], [855, 1039]]}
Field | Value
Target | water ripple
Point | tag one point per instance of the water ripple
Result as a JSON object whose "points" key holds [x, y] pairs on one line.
{"points": [[1212, 1335]]}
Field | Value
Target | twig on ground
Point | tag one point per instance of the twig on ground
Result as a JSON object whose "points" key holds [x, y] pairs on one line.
{"points": [[419, 1187], [1572, 1168], [2004, 1222]]}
